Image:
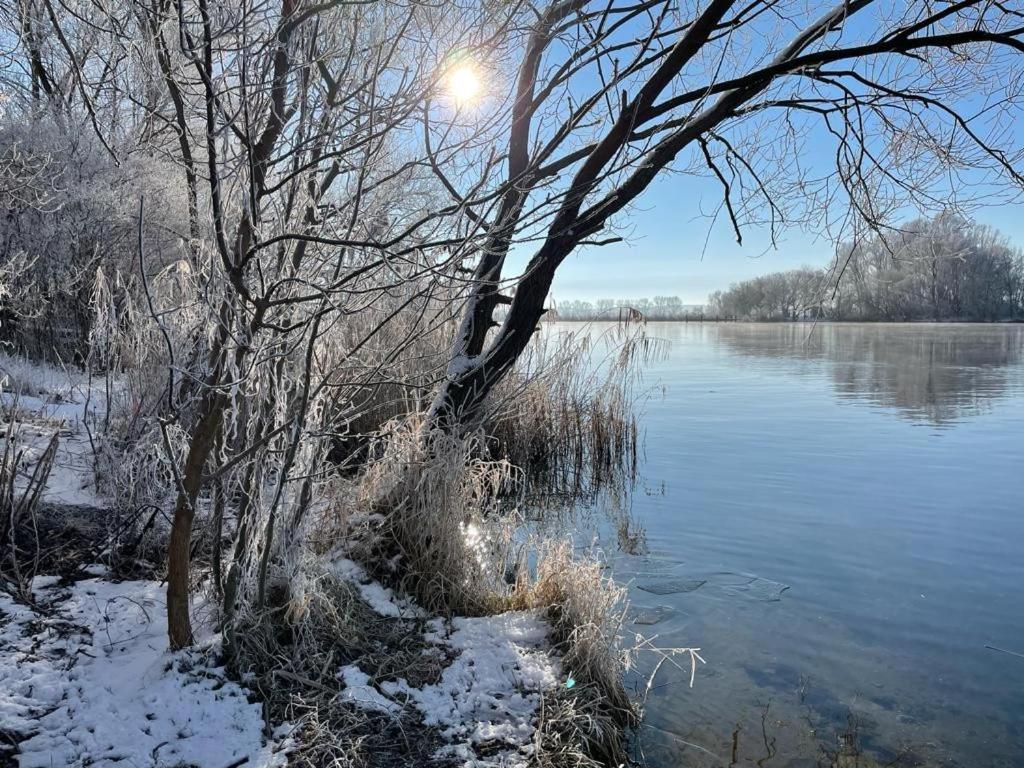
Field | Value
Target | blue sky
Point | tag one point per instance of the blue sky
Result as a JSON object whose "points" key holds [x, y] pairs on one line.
{"points": [[664, 253]]}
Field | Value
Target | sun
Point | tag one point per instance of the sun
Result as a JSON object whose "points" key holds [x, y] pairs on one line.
{"points": [[464, 84]]}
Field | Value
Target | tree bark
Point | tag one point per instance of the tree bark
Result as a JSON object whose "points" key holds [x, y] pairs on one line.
{"points": [[204, 436]]}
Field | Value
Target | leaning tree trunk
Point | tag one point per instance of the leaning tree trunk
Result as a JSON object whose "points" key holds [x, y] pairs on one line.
{"points": [[460, 400]]}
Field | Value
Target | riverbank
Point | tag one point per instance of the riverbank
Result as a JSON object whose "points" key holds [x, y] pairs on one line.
{"points": [[348, 669], [87, 681], [343, 662]]}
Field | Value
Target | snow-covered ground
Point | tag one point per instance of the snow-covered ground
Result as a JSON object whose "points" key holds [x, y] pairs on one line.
{"points": [[86, 679], [85, 675], [45, 401], [490, 694]]}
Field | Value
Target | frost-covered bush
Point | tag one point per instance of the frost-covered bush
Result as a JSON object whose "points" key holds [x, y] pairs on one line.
{"points": [[77, 214]]}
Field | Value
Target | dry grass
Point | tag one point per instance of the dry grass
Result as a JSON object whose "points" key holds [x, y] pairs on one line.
{"points": [[23, 478], [442, 533], [584, 724], [448, 527], [567, 415], [288, 654], [443, 537], [27, 378]]}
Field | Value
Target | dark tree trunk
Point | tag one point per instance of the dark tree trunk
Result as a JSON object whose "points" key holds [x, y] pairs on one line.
{"points": [[204, 437]]}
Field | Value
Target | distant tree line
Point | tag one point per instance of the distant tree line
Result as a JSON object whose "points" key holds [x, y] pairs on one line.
{"points": [[658, 308], [946, 268]]}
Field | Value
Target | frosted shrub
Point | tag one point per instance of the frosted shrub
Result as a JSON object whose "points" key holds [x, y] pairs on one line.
{"points": [[84, 216]]}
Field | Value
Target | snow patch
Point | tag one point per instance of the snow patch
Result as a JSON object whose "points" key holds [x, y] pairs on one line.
{"points": [[46, 401], [87, 680], [382, 599], [491, 692], [360, 691]]}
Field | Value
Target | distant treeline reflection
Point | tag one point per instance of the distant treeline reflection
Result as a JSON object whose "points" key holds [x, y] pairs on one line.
{"points": [[938, 374]]}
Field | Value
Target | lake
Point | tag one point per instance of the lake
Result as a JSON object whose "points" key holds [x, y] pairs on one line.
{"points": [[834, 515]]}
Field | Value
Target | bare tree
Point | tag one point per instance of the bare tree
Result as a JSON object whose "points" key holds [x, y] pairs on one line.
{"points": [[303, 160], [297, 129]]}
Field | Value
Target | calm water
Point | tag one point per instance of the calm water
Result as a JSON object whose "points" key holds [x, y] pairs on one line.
{"points": [[852, 498]]}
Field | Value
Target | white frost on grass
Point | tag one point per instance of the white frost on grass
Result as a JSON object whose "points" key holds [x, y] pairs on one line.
{"points": [[88, 681], [491, 692], [35, 378]]}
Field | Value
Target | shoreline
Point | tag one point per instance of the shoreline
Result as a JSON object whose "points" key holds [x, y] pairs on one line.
{"points": [[404, 687]]}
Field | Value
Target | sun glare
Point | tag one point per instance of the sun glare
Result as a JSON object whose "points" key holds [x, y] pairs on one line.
{"points": [[464, 84]]}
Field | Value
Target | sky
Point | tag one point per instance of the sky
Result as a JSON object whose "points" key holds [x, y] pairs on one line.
{"points": [[673, 249]]}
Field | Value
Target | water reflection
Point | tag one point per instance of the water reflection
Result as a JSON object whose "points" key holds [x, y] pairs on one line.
{"points": [[934, 373]]}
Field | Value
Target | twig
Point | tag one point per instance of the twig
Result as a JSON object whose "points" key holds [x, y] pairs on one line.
{"points": [[1003, 650]]}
